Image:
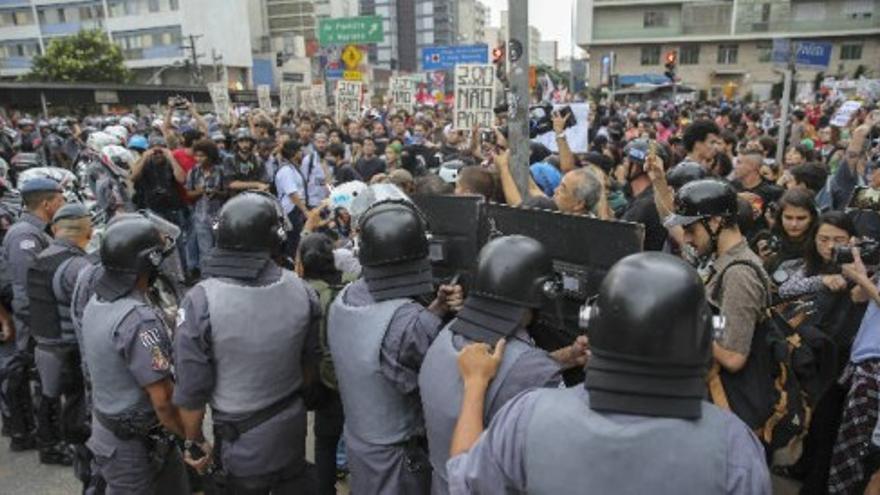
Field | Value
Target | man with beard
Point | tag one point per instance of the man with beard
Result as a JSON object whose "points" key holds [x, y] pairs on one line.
{"points": [[244, 169]]}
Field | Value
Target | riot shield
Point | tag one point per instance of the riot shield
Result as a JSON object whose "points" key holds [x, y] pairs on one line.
{"points": [[457, 226], [583, 250]]}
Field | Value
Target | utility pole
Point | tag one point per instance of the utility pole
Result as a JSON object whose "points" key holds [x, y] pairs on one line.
{"points": [[216, 61], [518, 93], [786, 102], [195, 55]]}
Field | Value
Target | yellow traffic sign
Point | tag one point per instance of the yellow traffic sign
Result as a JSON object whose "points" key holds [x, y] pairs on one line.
{"points": [[352, 75], [352, 56]]}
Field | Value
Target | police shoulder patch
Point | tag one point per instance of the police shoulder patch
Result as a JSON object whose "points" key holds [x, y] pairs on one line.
{"points": [[27, 244]]}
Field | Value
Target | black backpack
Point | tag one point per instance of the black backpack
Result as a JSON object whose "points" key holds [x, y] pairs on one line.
{"points": [[789, 368]]}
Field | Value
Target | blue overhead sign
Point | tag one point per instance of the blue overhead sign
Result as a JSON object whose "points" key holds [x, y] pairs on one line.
{"points": [[810, 54], [447, 57]]}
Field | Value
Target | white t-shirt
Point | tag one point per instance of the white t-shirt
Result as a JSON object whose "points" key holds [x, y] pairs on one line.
{"points": [[289, 181]]}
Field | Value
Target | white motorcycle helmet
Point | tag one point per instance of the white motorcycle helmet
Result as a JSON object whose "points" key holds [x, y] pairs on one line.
{"points": [[118, 160], [129, 122], [449, 171], [119, 132], [344, 195], [99, 140]]}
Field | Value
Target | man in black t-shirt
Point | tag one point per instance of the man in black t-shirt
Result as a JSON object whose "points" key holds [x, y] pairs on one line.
{"points": [[747, 171], [156, 177], [369, 164]]}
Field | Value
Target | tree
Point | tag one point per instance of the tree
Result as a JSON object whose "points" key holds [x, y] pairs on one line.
{"points": [[87, 56]]}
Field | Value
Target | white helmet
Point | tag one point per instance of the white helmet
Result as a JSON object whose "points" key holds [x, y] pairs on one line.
{"points": [[344, 195], [118, 131], [118, 159], [128, 121], [99, 140], [157, 124], [449, 171]]}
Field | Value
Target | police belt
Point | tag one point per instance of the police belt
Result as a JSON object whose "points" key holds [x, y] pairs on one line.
{"points": [[130, 427], [230, 431]]}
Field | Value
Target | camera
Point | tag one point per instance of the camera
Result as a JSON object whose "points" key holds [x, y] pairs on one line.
{"points": [[869, 250], [178, 102], [541, 118]]}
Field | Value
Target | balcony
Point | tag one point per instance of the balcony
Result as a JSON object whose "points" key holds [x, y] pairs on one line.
{"points": [[66, 28], [15, 63], [165, 51], [835, 24], [605, 32]]}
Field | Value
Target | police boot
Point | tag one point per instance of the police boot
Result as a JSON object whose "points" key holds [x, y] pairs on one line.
{"points": [[57, 454]]}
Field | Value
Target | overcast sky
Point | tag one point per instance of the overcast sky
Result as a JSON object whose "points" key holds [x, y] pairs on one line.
{"points": [[551, 17]]}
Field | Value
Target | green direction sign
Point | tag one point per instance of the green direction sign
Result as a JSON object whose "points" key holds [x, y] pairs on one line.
{"points": [[351, 30]]}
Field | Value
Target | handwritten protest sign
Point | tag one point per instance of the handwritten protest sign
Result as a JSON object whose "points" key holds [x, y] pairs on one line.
{"points": [[348, 100], [263, 96], [474, 96], [403, 93], [287, 96], [844, 114], [220, 99]]}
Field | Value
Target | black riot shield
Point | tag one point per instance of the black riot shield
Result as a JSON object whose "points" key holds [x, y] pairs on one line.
{"points": [[583, 250], [457, 225]]}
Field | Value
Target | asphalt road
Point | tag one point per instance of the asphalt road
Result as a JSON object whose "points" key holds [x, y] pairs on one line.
{"points": [[22, 474]]}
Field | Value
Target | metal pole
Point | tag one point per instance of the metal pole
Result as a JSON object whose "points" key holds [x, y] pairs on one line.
{"points": [[786, 103], [518, 97], [45, 105]]}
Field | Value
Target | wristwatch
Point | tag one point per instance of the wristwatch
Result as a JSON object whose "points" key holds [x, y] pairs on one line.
{"points": [[561, 135]]}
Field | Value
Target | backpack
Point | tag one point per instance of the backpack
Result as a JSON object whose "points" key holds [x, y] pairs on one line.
{"points": [[326, 295], [789, 368]]}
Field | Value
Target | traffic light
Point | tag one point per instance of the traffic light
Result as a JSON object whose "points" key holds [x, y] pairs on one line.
{"points": [[279, 59], [671, 57]]}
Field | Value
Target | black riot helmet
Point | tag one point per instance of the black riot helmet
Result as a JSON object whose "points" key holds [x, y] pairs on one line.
{"points": [[512, 277], [701, 200], [250, 222], [685, 173], [130, 248], [650, 332], [393, 250]]}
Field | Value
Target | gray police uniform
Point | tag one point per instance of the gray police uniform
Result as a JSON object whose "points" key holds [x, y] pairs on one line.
{"points": [[243, 373], [549, 441], [377, 350], [24, 241], [127, 347], [523, 367], [57, 354]]}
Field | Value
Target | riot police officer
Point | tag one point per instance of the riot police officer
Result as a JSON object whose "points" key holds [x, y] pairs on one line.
{"points": [[127, 348], [379, 330], [23, 242], [49, 285], [514, 279], [639, 424], [255, 381]]}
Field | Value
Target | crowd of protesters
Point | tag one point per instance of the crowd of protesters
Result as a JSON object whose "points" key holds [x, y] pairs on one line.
{"points": [[792, 219]]}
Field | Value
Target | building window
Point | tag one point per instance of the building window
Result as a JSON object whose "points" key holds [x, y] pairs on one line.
{"points": [[765, 12], [765, 51], [650, 55], [656, 19], [153, 6], [62, 15], [851, 51], [858, 9], [689, 55], [727, 54], [173, 4]]}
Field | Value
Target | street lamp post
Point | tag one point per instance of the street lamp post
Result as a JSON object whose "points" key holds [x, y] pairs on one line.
{"points": [[155, 78]]}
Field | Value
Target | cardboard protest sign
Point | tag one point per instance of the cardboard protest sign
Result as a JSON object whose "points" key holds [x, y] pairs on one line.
{"points": [[349, 95], [287, 96], [474, 96], [403, 93], [220, 97], [264, 98], [844, 114]]}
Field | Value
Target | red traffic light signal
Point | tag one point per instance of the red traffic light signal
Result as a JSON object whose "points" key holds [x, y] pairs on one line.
{"points": [[671, 57]]}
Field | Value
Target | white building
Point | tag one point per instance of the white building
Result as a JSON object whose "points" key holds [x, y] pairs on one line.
{"points": [[548, 53], [151, 33], [473, 16]]}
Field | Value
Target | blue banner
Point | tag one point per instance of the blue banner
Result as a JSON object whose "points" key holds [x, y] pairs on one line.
{"points": [[810, 54], [447, 57]]}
